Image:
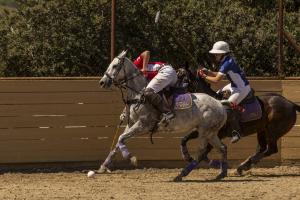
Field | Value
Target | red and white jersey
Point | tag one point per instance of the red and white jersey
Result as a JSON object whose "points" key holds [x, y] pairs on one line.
{"points": [[152, 68]]}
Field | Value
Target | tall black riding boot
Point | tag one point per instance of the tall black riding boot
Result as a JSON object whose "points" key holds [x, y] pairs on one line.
{"points": [[233, 118], [157, 101]]}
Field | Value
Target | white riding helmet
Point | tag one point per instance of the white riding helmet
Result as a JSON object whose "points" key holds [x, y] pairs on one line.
{"points": [[220, 47]]}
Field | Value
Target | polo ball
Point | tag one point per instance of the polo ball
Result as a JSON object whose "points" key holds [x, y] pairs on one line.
{"points": [[90, 174]]}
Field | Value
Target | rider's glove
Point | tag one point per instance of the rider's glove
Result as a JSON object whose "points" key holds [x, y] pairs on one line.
{"points": [[201, 73]]}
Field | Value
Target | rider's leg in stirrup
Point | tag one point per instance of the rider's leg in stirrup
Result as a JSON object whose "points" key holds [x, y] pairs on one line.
{"points": [[236, 97], [157, 101], [234, 123]]}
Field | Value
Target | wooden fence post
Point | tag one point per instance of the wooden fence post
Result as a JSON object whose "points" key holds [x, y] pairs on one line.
{"points": [[280, 40], [112, 33]]}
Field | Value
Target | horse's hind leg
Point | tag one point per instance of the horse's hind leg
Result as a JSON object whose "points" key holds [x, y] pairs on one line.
{"points": [[261, 148], [186, 155], [222, 149], [184, 150], [193, 163]]}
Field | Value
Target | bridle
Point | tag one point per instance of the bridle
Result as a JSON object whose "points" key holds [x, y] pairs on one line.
{"points": [[123, 84]]}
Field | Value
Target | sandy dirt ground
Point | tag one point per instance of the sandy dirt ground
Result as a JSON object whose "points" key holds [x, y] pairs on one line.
{"points": [[259, 183]]}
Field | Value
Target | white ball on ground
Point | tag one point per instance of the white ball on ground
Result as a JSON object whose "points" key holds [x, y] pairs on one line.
{"points": [[90, 174]]}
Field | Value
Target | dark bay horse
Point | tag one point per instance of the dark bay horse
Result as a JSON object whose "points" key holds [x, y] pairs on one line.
{"points": [[278, 117]]}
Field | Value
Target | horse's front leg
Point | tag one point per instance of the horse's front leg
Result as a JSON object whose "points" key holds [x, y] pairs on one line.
{"points": [[136, 129], [222, 149], [193, 163], [108, 161]]}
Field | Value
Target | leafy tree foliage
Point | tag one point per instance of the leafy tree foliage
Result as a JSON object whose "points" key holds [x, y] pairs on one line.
{"points": [[51, 38], [72, 37]]}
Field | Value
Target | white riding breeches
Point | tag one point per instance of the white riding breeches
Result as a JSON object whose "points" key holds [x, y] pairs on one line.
{"points": [[166, 77], [237, 94]]}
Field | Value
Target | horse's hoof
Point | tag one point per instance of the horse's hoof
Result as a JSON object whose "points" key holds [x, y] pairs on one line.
{"points": [[134, 161], [239, 171], [214, 164], [103, 169], [221, 176], [178, 178]]}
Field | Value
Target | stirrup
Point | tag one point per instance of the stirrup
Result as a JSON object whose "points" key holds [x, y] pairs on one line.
{"points": [[236, 137], [166, 118]]}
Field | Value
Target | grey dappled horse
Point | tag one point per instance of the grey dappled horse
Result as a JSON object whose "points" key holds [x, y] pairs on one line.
{"points": [[206, 116]]}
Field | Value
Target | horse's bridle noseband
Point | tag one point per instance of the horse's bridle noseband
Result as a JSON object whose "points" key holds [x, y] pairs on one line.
{"points": [[123, 83]]}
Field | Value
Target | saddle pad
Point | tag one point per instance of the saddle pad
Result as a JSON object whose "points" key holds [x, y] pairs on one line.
{"points": [[182, 101], [252, 111]]}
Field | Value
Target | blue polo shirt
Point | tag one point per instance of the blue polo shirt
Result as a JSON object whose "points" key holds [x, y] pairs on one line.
{"points": [[233, 72]]}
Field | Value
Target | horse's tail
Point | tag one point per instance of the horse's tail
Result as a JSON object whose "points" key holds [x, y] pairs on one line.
{"points": [[297, 107]]}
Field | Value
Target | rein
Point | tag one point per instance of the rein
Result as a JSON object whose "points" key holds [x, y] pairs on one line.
{"points": [[123, 85]]}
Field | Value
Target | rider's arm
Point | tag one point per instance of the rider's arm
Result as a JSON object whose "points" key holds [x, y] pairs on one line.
{"points": [[216, 78], [145, 56], [206, 72], [225, 67], [211, 73]]}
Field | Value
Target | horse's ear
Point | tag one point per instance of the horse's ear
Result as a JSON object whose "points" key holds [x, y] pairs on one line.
{"points": [[123, 54]]}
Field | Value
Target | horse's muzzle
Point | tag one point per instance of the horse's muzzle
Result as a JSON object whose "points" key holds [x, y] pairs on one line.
{"points": [[105, 82]]}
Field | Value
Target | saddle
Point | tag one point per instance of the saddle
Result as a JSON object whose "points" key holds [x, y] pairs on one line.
{"points": [[177, 98], [252, 108], [182, 101], [249, 108]]}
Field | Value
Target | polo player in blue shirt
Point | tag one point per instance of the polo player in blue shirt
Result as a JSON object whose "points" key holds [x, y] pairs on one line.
{"points": [[239, 86]]}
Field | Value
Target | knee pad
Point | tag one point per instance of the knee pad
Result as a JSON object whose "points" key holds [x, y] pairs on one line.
{"points": [[148, 92], [152, 97]]}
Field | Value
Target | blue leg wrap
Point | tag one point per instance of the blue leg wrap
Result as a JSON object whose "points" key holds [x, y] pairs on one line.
{"points": [[192, 165]]}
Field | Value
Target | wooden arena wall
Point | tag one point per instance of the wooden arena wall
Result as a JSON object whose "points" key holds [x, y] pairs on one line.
{"points": [[74, 120]]}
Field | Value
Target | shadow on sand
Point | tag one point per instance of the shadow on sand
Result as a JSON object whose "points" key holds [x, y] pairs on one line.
{"points": [[276, 175], [216, 181]]}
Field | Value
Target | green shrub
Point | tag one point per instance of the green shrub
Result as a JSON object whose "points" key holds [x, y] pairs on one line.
{"points": [[72, 37]]}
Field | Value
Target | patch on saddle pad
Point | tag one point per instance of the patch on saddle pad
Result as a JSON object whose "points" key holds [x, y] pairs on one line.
{"points": [[182, 101], [252, 111]]}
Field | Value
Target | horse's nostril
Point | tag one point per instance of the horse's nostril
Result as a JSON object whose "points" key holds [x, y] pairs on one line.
{"points": [[101, 83]]}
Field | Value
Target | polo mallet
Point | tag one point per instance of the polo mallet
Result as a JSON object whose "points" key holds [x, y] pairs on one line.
{"points": [[157, 17], [115, 136]]}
